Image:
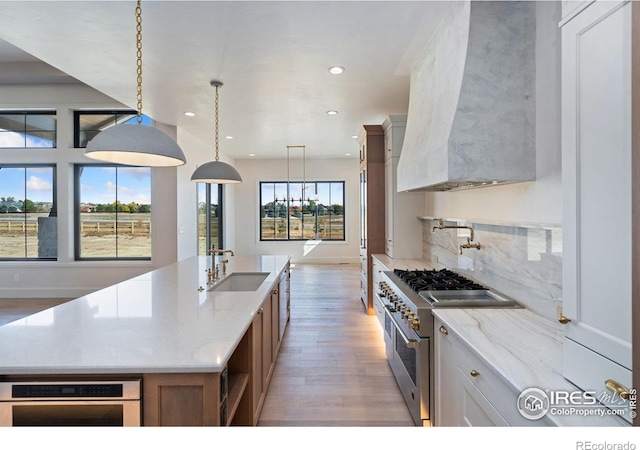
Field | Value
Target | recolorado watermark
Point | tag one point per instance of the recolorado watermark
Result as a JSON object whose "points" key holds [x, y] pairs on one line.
{"points": [[534, 403], [589, 445]]}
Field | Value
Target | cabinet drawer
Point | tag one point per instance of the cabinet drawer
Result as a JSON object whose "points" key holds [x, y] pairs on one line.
{"points": [[497, 392], [475, 409], [378, 308], [590, 371]]}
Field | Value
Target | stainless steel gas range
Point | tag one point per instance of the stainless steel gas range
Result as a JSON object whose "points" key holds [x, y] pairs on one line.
{"points": [[407, 298]]}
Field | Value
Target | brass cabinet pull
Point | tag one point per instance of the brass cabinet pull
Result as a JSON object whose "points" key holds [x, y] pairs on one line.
{"points": [[563, 320], [474, 373], [261, 310], [561, 317], [276, 292], [443, 330], [617, 389]]}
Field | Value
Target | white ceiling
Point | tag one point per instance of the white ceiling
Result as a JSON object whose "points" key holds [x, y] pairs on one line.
{"points": [[272, 57]]}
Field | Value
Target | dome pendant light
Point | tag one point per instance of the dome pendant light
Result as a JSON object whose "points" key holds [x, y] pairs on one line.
{"points": [[216, 171], [136, 144]]}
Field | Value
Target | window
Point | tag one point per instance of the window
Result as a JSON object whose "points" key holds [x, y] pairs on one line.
{"points": [[209, 216], [89, 123], [300, 211], [113, 212], [28, 222], [28, 129]]}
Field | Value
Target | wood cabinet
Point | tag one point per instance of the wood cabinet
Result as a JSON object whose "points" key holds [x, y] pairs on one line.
{"points": [[181, 399], [403, 229], [285, 300], [261, 358], [372, 207], [597, 184], [234, 396], [468, 392]]}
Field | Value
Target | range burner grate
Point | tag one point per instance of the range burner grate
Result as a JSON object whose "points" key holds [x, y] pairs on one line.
{"points": [[436, 280]]}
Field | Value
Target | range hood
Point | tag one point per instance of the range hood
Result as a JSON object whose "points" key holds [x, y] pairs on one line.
{"points": [[471, 119]]}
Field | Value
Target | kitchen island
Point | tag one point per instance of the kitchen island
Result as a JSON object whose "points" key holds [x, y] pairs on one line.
{"points": [[189, 345]]}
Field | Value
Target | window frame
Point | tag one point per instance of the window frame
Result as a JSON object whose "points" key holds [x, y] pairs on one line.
{"points": [[77, 215], [288, 206], [54, 184], [208, 221], [94, 112], [33, 112]]}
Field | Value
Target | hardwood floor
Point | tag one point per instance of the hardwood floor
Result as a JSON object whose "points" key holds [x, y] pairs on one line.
{"points": [[332, 370], [16, 308]]}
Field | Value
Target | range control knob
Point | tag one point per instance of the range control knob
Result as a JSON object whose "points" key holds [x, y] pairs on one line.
{"points": [[415, 324]]}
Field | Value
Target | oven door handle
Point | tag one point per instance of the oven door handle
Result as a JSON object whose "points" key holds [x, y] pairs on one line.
{"points": [[410, 343]]}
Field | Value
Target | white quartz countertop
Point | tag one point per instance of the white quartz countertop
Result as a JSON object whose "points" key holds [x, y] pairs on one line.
{"points": [[404, 264], [523, 348], [155, 322]]}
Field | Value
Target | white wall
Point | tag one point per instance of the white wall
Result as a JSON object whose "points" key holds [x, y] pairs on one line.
{"points": [[198, 152], [66, 277], [533, 202], [247, 217]]}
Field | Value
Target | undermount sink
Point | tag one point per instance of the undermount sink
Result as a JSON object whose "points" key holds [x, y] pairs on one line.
{"points": [[240, 281]]}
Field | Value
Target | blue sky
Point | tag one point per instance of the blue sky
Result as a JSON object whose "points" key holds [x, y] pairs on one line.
{"points": [[39, 183], [98, 184]]}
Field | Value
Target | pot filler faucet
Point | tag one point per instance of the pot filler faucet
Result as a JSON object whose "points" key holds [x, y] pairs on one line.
{"points": [[442, 226]]}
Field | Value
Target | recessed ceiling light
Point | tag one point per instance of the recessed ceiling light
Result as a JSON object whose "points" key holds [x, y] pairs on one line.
{"points": [[252, 154], [336, 70], [347, 154], [189, 113], [354, 137], [229, 137], [332, 112]]}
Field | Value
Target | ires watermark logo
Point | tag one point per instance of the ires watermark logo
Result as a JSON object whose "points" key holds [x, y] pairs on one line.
{"points": [[534, 403]]}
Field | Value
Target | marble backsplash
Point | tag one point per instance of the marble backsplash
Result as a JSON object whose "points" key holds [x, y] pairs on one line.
{"points": [[524, 263]]}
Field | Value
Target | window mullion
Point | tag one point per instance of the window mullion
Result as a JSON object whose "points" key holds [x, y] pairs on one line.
{"points": [[24, 211], [117, 231]]}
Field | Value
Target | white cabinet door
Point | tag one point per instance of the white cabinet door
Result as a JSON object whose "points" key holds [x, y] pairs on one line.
{"points": [[446, 391], [389, 197], [596, 168], [571, 8], [475, 409]]}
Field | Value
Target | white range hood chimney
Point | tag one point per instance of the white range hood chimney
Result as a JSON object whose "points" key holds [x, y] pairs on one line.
{"points": [[471, 119]]}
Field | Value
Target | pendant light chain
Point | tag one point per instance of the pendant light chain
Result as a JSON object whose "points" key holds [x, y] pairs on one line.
{"points": [[217, 122], [131, 145], [139, 57]]}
